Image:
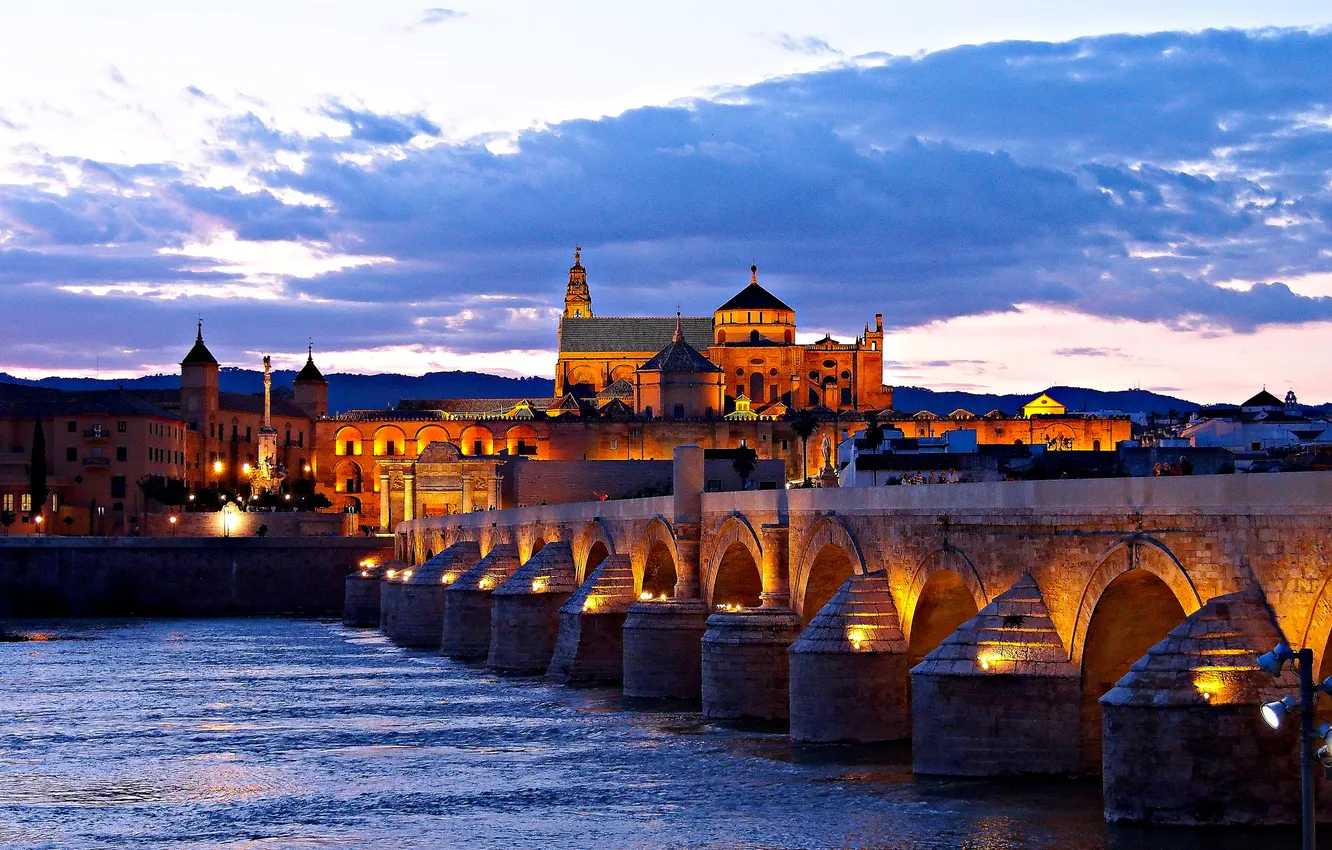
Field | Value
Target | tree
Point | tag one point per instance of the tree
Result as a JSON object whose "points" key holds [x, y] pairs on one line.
{"points": [[69, 523], [744, 463], [37, 469], [874, 439], [7, 518], [804, 424]]}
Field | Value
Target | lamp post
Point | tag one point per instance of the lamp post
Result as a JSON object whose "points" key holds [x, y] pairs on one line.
{"points": [[172, 520], [1274, 712]]}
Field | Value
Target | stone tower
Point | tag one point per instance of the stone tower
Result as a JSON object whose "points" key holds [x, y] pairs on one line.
{"points": [[311, 388], [198, 384], [577, 298]]}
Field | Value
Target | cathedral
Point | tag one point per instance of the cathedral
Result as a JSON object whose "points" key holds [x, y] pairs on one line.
{"points": [[744, 357]]}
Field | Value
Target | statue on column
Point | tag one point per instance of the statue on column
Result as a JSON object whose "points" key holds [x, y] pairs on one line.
{"points": [[268, 472]]}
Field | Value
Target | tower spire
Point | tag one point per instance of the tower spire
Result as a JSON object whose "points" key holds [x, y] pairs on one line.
{"points": [[753, 275], [577, 297], [679, 331], [199, 336]]}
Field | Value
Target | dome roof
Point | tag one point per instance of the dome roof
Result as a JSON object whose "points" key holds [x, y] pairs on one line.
{"points": [[755, 297]]}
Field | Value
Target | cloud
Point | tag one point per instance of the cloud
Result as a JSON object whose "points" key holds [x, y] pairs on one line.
{"points": [[1122, 177], [438, 16], [367, 126], [809, 45]]}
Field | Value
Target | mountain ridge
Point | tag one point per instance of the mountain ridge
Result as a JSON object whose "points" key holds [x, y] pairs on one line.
{"points": [[350, 391]]}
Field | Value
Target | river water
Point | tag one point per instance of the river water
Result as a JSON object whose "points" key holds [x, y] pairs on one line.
{"points": [[263, 733]]}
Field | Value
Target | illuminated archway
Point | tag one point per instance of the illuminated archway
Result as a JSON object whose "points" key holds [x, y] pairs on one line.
{"points": [[736, 579], [944, 603]]}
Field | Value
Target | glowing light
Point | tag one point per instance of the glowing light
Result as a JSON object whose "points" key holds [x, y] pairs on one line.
{"points": [[857, 637], [365, 573], [306, 468], [730, 607], [392, 573], [989, 660], [245, 467], [217, 467], [406, 574], [172, 520], [191, 497], [538, 585], [663, 597], [448, 578], [591, 603], [645, 596], [39, 520], [287, 496], [486, 583]]}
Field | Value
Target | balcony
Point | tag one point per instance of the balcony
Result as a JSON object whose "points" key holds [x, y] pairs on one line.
{"points": [[96, 461], [96, 433]]}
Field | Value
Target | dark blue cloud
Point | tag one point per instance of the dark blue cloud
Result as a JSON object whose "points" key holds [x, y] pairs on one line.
{"points": [[1120, 176], [379, 129]]}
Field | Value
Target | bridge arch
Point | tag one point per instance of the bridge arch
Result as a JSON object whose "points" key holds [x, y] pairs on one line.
{"points": [[1135, 552], [492, 536], [1317, 632], [945, 591], [593, 545], [1137, 594], [828, 557], [734, 566], [660, 559], [533, 539]]}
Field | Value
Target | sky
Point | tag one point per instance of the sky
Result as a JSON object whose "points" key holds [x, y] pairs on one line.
{"points": [[1031, 194]]}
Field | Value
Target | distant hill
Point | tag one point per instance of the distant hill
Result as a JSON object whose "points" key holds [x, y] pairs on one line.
{"points": [[345, 391], [375, 392], [1075, 399]]}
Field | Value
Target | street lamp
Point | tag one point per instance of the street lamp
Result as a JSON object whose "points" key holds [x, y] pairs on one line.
{"points": [[1274, 713], [172, 520], [217, 467], [39, 519]]}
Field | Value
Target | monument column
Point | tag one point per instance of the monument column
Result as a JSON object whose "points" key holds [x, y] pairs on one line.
{"points": [[409, 496], [384, 517]]}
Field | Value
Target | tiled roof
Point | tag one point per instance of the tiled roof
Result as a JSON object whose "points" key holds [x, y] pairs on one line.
{"points": [[199, 354], [609, 588], [1264, 399], [491, 571], [679, 357], [755, 297], [450, 563], [310, 372], [631, 333], [17, 400], [617, 389], [255, 404]]}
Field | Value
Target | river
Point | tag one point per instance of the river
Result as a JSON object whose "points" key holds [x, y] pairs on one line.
{"points": [[282, 733]]}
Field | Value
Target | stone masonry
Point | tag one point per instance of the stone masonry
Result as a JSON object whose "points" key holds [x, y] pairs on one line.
{"points": [[590, 647], [525, 617], [419, 618], [467, 604], [746, 672]]}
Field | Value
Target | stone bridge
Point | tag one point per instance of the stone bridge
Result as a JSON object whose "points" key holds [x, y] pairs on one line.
{"points": [[1005, 628]]}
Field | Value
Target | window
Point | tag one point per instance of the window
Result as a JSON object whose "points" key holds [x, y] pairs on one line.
{"points": [[615, 444], [247, 433], [235, 431], [71, 426], [753, 336], [71, 454], [122, 453], [390, 448], [846, 395], [55, 501], [212, 427], [117, 486], [351, 447], [25, 503], [784, 445], [679, 411], [122, 426], [476, 447], [714, 485], [9, 501]]}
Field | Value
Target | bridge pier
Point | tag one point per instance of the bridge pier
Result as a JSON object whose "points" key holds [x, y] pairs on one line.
{"points": [[388, 592], [468, 601], [663, 646], [1184, 743], [745, 669], [418, 619], [849, 679], [360, 601], [590, 647], [998, 697], [525, 618]]}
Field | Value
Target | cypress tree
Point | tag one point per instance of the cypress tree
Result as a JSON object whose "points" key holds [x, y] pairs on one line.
{"points": [[37, 469]]}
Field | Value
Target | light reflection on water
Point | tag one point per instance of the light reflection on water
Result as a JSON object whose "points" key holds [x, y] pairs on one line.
{"points": [[291, 733]]}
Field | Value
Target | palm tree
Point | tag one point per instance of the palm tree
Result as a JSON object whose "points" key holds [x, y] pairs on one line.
{"points": [[804, 424], [746, 459], [873, 439]]}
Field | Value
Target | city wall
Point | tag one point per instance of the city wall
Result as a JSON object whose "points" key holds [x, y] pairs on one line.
{"points": [[113, 577]]}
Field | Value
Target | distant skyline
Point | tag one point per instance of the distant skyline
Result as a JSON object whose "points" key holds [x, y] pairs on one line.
{"points": [[1033, 195]]}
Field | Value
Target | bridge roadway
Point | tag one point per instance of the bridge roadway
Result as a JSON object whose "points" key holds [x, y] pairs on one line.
{"points": [[1055, 627]]}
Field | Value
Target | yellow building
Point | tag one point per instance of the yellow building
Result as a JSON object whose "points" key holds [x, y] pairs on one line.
{"points": [[1042, 405]]}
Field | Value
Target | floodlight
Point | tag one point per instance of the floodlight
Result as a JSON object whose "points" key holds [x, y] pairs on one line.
{"points": [[1273, 661], [1275, 712]]}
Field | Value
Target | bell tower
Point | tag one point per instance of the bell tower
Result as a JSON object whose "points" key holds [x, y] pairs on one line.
{"points": [[578, 298]]}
